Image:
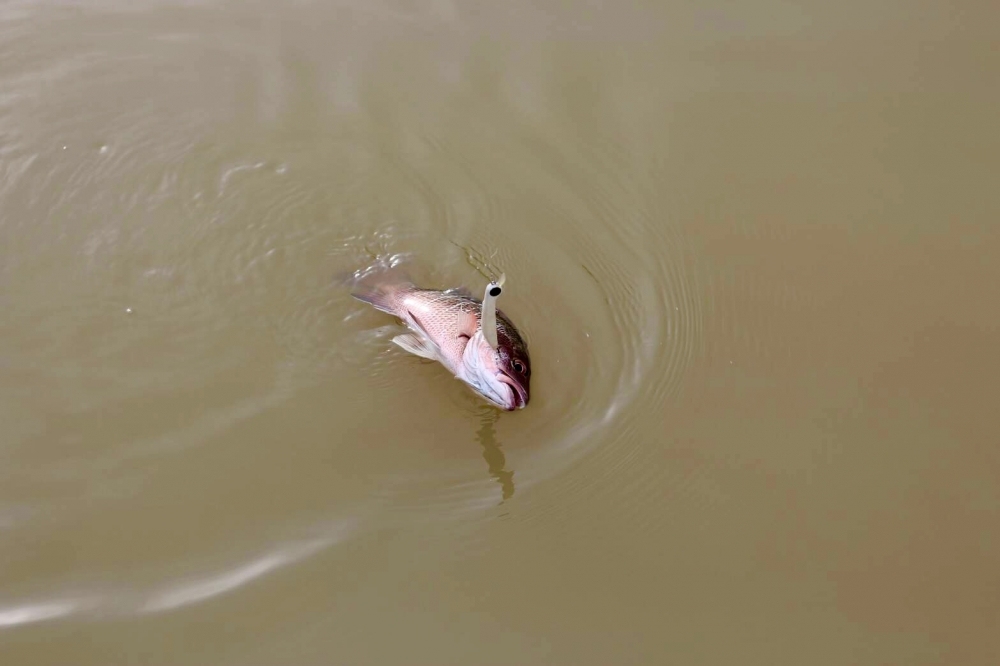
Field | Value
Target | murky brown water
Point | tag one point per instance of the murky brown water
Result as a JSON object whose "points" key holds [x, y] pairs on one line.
{"points": [[753, 249]]}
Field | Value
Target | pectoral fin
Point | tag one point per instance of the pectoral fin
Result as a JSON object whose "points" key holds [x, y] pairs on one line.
{"points": [[468, 323], [416, 345]]}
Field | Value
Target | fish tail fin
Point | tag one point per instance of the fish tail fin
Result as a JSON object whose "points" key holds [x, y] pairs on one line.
{"points": [[382, 296], [381, 286], [383, 292]]}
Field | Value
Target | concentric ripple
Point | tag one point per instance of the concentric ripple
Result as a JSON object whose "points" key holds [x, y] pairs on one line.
{"points": [[611, 314], [176, 255]]}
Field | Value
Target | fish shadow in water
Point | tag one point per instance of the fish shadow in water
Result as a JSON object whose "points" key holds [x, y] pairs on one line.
{"points": [[492, 454]]}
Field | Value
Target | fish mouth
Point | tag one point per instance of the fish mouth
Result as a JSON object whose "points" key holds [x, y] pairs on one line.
{"points": [[518, 396]]}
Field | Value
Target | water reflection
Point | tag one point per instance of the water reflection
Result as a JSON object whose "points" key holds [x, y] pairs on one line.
{"points": [[494, 457]]}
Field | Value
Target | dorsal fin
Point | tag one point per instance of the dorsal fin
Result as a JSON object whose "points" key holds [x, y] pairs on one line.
{"points": [[460, 291]]}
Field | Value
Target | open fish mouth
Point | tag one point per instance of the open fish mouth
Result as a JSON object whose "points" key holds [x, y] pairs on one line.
{"points": [[504, 399], [505, 395], [504, 405], [497, 393], [517, 396]]}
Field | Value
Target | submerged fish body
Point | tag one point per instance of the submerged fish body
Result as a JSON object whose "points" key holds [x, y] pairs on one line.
{"points": [[446, 326]]}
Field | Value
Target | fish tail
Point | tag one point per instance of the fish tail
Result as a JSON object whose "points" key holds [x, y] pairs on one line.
{"points": [[381, 286], [384, 297]]}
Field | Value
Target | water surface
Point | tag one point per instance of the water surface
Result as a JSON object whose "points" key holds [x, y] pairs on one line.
{"points": [[751, 249]]}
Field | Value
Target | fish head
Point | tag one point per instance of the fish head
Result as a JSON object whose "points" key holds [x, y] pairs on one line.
{"points": [[502, 375]]}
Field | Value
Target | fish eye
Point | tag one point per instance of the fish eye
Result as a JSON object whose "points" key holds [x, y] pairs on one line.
{"points": [[518, 366]]}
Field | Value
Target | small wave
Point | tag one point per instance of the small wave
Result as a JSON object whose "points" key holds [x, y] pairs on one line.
{"points": [[11, 616], [179, 594]]}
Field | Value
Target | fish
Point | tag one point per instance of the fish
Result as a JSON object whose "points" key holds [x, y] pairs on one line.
{"points": [[471, 338]]}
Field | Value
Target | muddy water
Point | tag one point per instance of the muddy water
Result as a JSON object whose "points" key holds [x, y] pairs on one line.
{"points": [[753, 250]]}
